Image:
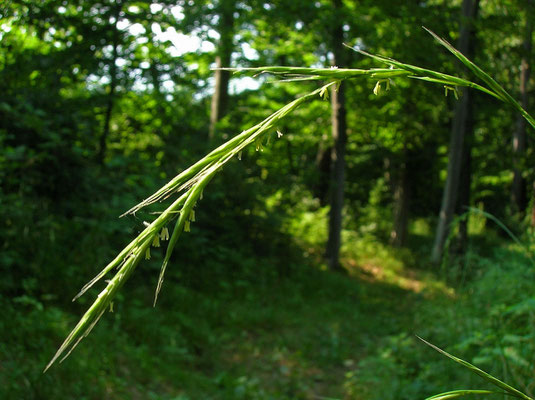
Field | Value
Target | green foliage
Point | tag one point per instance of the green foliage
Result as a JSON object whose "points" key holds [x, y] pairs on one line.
{"points": [[481, 313], [249, 311]]}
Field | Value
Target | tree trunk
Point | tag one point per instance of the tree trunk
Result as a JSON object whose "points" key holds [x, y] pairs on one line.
{"points": [[323, 166], [460, 126], [155, 78], [533, 209], [339, 133], [103, 140], [518, 190], [398, 236], [289, 153], [459, 245], [223, 57]]}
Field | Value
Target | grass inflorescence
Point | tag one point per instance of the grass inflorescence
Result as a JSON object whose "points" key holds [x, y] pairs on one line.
{"points": [[191, 182]]}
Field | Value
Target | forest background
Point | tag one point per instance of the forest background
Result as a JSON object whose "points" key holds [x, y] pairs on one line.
{"points": [[389, 211]]}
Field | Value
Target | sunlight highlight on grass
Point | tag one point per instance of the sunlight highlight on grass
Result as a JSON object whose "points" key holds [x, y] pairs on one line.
{"points": [[373, 261]]}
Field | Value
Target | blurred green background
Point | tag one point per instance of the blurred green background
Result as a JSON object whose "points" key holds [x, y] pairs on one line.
{"points": [[102, 102]]}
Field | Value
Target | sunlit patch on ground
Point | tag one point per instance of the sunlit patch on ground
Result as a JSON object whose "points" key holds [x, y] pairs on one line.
{"points": [[405, 278]]}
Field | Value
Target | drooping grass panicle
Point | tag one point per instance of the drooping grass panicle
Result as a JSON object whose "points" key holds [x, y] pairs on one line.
{"points": [[191, 182], [511, 391]]}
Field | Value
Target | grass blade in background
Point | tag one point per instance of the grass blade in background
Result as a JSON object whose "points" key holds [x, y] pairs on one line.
{"points": [[488, 377], [505, 229], [459, 393]]}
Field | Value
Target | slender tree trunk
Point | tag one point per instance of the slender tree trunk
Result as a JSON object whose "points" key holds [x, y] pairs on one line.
{"points": [[460, 243], [103, 140], [289, 154], [518, 190], [398, 236], [460, 126], [323, 165], [533, 208], [339, 133], [155, 77], [223, 57]]}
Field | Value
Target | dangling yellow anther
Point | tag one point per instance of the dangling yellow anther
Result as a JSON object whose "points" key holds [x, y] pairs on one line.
{"points": [[164, 234]]}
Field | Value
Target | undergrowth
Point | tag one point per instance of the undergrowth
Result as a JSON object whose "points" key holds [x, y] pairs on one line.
{"points": [[269, 333]]}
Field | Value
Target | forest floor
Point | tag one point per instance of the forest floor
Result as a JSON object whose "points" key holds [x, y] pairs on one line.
{"points": [[308, 334], [303, 338]]}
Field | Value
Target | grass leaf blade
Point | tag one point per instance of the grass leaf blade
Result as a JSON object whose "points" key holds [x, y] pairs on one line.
{"points": [[493, 85], [495, 381], [459, 393]]}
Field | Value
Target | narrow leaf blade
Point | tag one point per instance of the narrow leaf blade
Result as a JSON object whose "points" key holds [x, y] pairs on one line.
{"points": [[459, 393], [495, 381]]}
